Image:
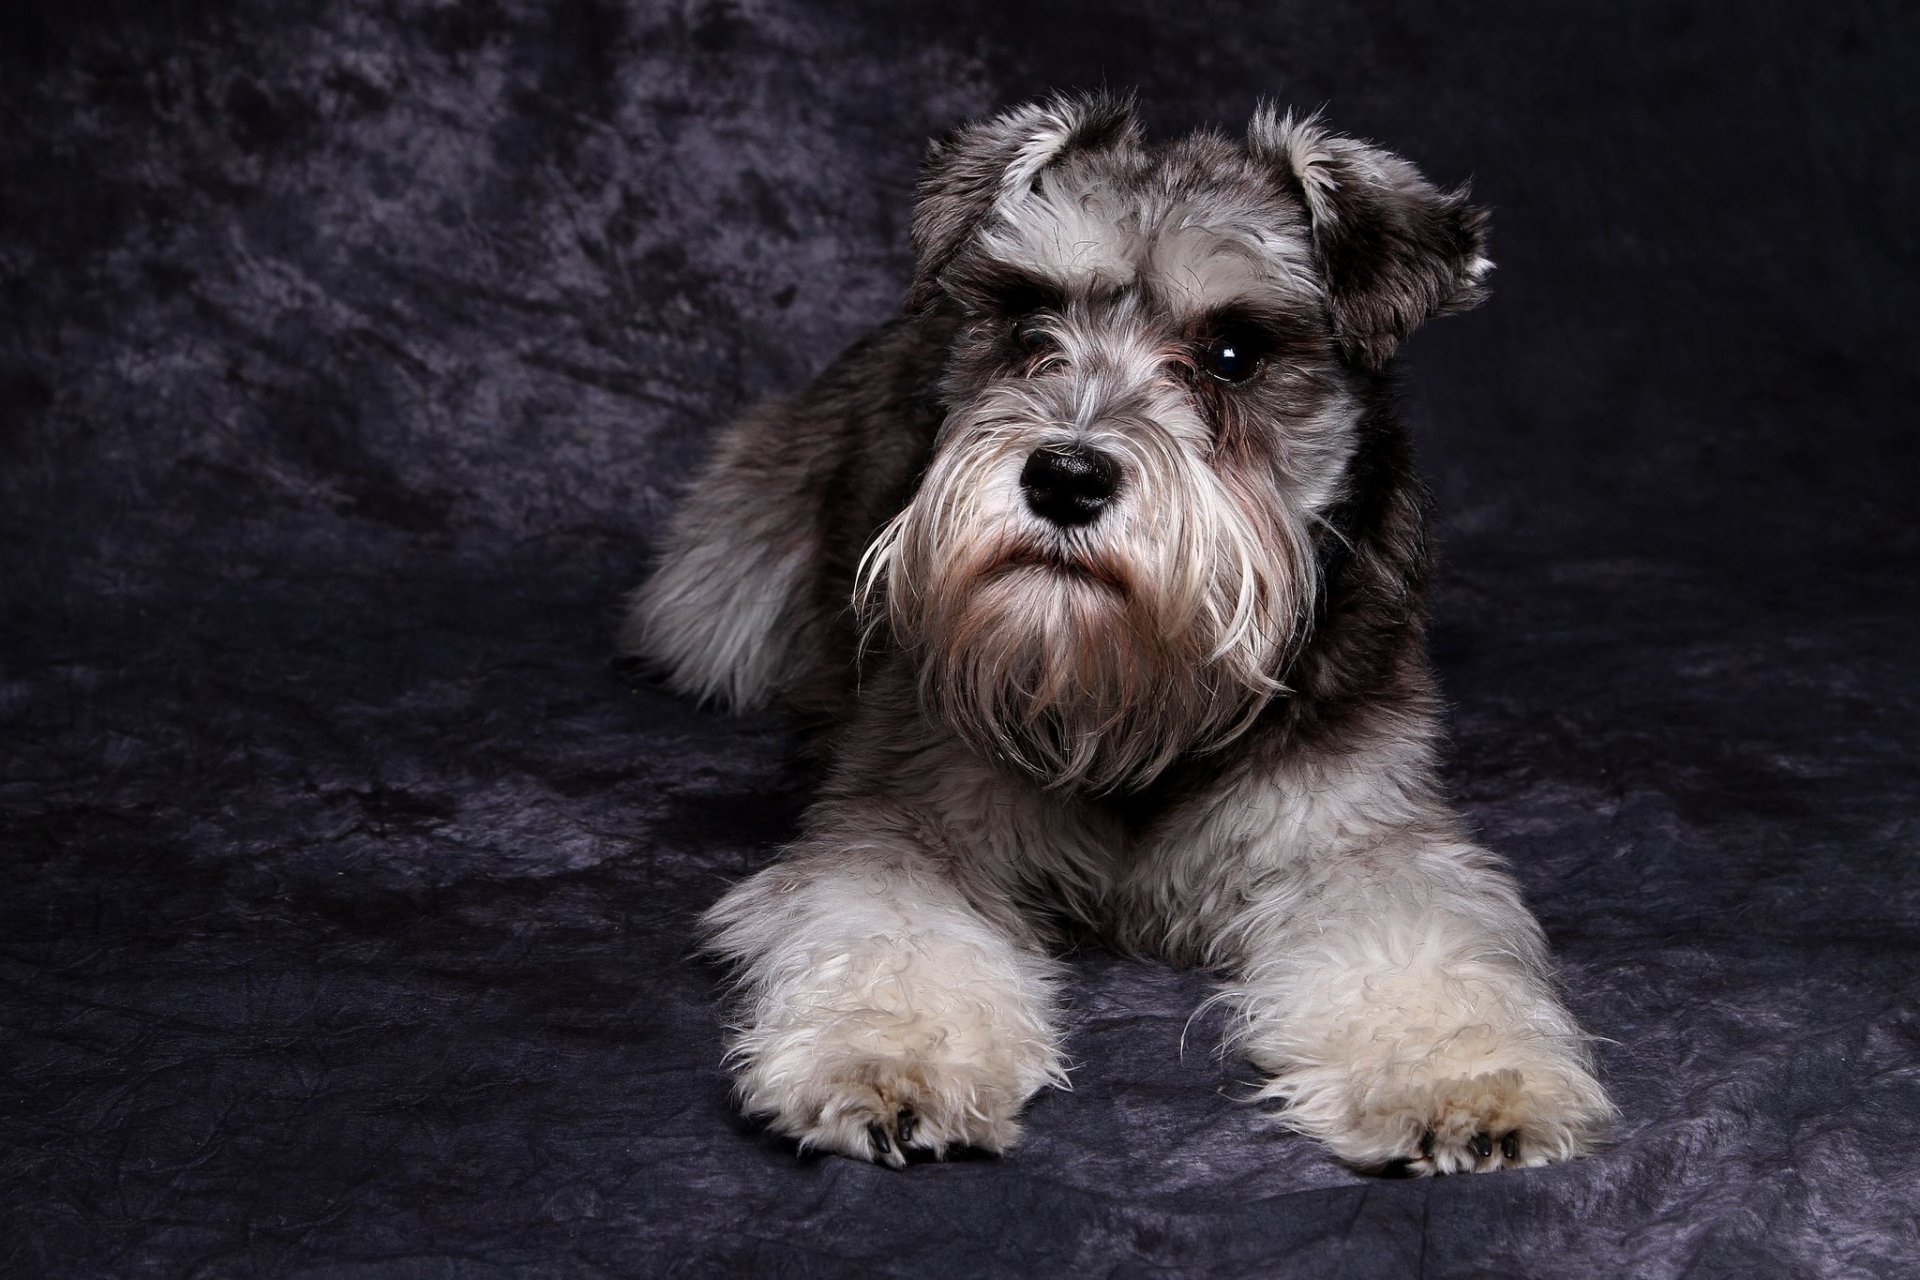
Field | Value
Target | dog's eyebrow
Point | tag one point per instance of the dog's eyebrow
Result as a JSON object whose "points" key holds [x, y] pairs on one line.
{"points": [[1018, 292], [1282, 323], [1004, 289]]}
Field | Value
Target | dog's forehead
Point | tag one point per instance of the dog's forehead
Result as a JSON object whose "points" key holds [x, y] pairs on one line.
{"points": [[1196, 236]]}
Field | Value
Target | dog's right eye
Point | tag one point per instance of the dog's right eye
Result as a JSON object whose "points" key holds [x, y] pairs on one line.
{"points": [[1031, 336], [1233, 357]]}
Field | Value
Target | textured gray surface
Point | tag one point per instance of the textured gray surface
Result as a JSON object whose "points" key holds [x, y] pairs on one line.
{"points": [[349, 359]]}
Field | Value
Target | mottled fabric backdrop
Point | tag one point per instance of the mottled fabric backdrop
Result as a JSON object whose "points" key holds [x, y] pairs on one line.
{"points": [[351, 356]]}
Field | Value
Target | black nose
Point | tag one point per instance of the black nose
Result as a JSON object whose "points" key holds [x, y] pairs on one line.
{"points": [[1069, 483]]}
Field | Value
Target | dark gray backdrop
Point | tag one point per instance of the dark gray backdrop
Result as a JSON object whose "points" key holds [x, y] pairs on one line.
{"points": [[350, 357]]}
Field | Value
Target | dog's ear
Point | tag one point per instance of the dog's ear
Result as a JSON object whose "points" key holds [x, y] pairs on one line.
{"points": [[991, 166], [1392, 248]]}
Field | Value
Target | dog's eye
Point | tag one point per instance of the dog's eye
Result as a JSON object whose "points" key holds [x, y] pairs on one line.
{"points": [[1234, 356], [1031, 336]]}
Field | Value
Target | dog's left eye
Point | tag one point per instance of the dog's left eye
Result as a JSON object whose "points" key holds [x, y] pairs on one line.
{"points": [[1232, 357], [1031, 336]]}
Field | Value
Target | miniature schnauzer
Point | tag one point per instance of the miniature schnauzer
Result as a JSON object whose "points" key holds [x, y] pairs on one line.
{"points": [[1105, 562]]}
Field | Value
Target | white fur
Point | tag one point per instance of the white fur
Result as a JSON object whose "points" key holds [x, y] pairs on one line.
{"points": [[880, 1002]]}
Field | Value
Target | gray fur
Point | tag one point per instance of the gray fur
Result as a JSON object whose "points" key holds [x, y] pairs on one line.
{"points": [[1201, 725]]}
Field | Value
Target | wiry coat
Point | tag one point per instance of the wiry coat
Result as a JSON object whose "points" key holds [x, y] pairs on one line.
{"points": [[1186, 708]]}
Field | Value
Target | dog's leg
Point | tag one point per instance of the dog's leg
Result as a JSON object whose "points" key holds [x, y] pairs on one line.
{"points": [[1399, 992], [720, 615], [882, 1012]]}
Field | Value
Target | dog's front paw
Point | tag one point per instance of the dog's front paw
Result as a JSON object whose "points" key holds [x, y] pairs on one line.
{"points": [[874, 1039], [886, 1108], [1451, 1113], [1501, 1119], [1452, 1060], [919, 1046], [1471, 1101]]}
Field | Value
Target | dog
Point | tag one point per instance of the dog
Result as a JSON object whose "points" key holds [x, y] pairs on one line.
{"points": [[1105, 562]]}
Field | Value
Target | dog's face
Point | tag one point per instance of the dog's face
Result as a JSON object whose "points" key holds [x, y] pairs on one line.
{"points": [[1153, 399]]}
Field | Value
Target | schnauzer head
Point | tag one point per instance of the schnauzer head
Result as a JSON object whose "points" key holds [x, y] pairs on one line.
{"points": [[1154, 391]]}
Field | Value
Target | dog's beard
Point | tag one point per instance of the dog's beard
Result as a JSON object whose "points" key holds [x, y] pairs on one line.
{"points": [[1093, 657]]}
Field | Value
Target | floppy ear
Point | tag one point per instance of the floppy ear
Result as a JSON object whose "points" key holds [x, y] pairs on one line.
{"points": [[1393, 249], [992, 165]]}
